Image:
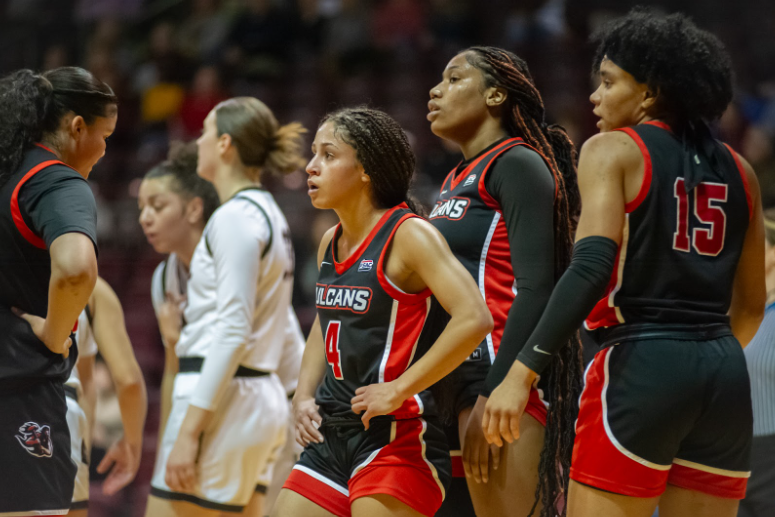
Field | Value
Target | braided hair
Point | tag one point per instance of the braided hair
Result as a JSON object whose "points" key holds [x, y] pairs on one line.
{"points": [[383, 149], [523, 116], [33, 105]]}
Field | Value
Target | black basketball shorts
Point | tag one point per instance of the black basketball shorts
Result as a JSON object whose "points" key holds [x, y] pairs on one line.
{"points": [[405, 459], [36, 470], [664, 410]]}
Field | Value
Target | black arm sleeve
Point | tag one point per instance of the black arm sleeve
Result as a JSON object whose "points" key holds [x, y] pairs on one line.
{"points": [[58, 200], [576, 294], [524, 187]]}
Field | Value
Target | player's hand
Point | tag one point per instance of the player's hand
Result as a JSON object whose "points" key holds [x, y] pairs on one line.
{"points": [[122, 460], [38, 326], [506, 404], [171, 318], [181, 465], [306, 420], [375, 400], [476, 450]]}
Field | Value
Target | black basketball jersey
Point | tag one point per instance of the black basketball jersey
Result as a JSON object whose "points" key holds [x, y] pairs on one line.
{"points": [[25, 271], [679, 250], [472, 223], [372, 330]]}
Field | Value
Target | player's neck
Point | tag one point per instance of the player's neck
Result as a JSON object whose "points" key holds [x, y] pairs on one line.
{"points": [[358, 219], [227, 185], [187, 249], [489, 133]]}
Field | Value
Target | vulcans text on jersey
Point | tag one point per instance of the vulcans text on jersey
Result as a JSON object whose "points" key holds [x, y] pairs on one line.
{"points": [[342, 297]]}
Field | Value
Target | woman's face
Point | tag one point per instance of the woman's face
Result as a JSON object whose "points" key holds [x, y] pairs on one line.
{"points": [[620, 100], [458, 104], [164, 214], [207, 149], [335, 175], [89, 142]]}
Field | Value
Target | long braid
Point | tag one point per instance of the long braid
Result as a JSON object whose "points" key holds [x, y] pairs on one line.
{"points": [[524, 117], [383, 149]]}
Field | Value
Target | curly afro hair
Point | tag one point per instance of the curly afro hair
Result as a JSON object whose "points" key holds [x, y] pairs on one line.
{"points": [[688, 68]]}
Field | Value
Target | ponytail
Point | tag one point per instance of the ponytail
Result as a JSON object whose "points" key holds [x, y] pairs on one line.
{"points": [[260, 141], [33, 105], [285, 152], [25, 100]]}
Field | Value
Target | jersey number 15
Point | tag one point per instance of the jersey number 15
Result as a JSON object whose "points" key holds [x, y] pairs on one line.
{"points": [[705, 241]]}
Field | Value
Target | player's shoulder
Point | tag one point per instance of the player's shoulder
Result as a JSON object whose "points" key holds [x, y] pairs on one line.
{"points": [[618, 147]]}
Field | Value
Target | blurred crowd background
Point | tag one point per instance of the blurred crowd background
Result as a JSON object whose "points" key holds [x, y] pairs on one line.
{"points": [[171, 61]]}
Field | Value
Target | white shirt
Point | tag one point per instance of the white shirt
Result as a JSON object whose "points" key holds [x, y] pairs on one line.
{"points": [[238, 309]]}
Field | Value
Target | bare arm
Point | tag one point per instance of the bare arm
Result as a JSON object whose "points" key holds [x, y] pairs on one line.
{"points": [[749, 291], [115, 347], [420, 249], [167, 383], [85, 367], [73, 275], [313, 369]]}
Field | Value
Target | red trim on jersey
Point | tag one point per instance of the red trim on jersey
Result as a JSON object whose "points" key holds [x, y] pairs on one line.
{"points": [[707, 482], [646, 184], [744, 177], [448, 178], [659, 123], [465, 172], [458, 470], [343, 266], [408, 298], [44, 147], [596, 460], [603, 314], [410, 320], [318, 492], [16, 214], [401, 470]]}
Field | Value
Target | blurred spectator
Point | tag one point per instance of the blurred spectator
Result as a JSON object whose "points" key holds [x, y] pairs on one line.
{"points": [[206, 91], [450, 24], [203, 33], [399, 24], [259, 40], [347, 39], [158, 80], [55, 56], [310, 27], [92, 10]]}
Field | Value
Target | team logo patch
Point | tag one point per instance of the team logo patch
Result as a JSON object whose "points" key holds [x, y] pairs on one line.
{"points": [[470, 180], [453, 208], [365, 265], [36, 439]]}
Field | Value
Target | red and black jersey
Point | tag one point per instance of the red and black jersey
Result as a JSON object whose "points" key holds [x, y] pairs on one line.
{"points": [[40, 201], [680, 249], [372, 330], [472, 223]]}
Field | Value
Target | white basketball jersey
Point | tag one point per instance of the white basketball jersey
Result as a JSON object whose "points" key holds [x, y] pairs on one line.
{"points": [[240, 287]]}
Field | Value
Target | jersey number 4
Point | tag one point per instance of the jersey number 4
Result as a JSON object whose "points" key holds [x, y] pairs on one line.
{"points": [[332, 348], [707, 198]]}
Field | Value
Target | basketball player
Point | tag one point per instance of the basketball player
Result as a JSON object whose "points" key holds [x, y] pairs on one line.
{"points": [[229, 410], [507, 212], [373, 443], [671, 238], [101, 329], [175, 204], [54, 130]]}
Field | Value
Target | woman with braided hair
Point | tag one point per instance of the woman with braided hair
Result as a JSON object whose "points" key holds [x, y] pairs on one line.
{"points": [[373, 443], [54, 130], [668, 271], [508, 212]]}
